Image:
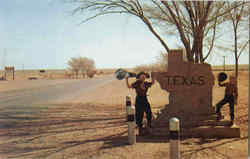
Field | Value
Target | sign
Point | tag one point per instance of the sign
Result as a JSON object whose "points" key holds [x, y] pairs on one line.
{"points": [[189, 84], [9, 68]]}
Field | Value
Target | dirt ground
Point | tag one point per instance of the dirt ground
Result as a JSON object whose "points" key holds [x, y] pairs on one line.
{"points": [[50, 74], [96, 129]]}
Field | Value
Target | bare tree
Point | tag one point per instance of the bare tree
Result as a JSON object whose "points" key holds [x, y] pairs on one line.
{"points": [[86, 65], [74, 66], [237, 24], [81, 64], [238, 16], [193, 20]]}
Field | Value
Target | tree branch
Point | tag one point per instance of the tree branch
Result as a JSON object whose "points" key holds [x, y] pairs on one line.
{"points": [[146, 21], [226, 12], [183, 38], [212, 45], [243, 48]]}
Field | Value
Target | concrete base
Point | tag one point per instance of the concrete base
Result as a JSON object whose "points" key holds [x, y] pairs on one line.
{"points": [[195, 125], [213, 132], [212, 123], [203, 132]]}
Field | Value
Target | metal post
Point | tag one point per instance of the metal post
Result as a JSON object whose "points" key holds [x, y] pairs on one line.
{"points": [[174, 129], [130, 110]]}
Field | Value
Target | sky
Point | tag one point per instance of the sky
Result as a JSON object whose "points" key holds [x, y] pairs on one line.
{"points": [[43, 34]]}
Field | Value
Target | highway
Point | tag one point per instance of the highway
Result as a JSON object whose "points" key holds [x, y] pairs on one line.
{"points": [[26, 93]]}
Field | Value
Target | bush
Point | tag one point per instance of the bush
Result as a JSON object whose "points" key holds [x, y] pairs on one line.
{"points": [[81, 65], [91, 73]]}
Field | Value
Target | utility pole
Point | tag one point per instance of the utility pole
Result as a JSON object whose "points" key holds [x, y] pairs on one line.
{"points": [[224, 64]]}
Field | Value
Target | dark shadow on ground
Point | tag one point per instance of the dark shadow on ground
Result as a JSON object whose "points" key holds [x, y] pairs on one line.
{"points": [[21, 132], [203, 148], [17, 137]]}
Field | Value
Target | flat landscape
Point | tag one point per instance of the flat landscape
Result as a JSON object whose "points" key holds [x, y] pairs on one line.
{"points": [[60, 61], [85, 119]]}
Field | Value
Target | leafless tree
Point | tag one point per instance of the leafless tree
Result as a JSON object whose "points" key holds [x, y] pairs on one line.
{"points": [[74, 66], [81, 64], [239, 18], [194, 20], [86, 64]]}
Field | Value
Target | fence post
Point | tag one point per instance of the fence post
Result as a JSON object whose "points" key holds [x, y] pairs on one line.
{"points": [[174, 129], [130, 110]]}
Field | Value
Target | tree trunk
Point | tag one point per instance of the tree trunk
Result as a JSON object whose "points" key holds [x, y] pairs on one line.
{"points": [[236, 68], [83, 75], [200, 48], [196, 56], [189, 57], [195, 47], [236, 53]]}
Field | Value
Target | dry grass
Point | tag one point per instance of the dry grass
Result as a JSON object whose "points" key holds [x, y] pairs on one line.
{"points": [[25, 74], [49, 74], [242, 67]]}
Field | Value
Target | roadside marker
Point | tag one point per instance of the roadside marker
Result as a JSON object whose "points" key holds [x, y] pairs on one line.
{"points": [[174, 129], [130, 110]]}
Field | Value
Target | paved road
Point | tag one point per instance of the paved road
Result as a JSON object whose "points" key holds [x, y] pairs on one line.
{"points": [[32, 126], [49, 91]]}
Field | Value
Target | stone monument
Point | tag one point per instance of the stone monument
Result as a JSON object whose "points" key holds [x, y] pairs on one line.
{"points": [[190, 89]]}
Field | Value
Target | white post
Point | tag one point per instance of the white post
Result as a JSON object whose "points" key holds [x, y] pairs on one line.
{"points": [[131, 125], [131, 121], [174, 129]]}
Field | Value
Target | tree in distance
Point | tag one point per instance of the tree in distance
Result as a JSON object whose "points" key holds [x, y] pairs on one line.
{"points": [[83, 65]]}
